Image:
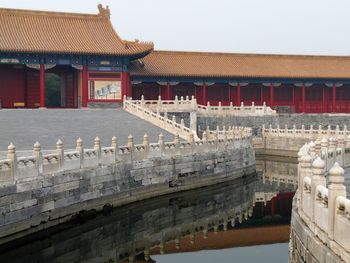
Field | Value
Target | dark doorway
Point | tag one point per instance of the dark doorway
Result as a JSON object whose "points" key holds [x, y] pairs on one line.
{"points": [[53, 89]]}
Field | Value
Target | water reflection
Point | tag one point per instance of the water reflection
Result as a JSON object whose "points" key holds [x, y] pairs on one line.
{"points": [[244, 212]]}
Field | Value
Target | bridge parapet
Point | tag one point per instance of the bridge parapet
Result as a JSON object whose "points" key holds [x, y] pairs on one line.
{"points": [[188, 104], [323, 206], [54, 186], [14, 169], [292, 139]]}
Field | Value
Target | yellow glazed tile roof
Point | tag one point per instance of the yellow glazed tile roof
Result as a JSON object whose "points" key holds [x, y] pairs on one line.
{"points": [[201, 64], [64, 33]]}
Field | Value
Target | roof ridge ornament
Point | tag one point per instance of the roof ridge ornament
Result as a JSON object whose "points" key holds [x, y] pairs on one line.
{"points": [[104, 12]]}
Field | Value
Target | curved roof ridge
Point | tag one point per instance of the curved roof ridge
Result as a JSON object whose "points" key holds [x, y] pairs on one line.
{"points": [[206, 53], [11, 11], [65, 33]]}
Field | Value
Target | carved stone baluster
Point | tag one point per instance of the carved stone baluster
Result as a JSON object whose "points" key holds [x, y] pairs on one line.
{"points": [[11, 154], [79, 148], [38, 157], [60, 154]]}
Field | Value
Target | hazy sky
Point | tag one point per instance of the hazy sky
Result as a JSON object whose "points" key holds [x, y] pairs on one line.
{"points": [[248, 26]]}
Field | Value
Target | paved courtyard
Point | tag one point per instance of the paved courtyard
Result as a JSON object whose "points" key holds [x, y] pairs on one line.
{"points": [[25, 127]]}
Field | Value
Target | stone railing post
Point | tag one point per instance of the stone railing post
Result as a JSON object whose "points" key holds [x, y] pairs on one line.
{"points": [[231, 108], [173, 121], [11, 154], [329, 130], [194, 104], [337, 130], [176, 102], [242, 107], [60, 154], [159, 103], [208, 107], [253, 107], [114, 145], [130, 143], [264, 106], [38, 157], [97, 148], [145, 143], [318, 178], [336, 188], [142, 101], [306, 165], [79, 148], [124, 101], [301, 153]]}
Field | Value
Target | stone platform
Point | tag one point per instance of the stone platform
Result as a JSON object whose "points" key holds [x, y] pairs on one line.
{"points": [[25, 127]]}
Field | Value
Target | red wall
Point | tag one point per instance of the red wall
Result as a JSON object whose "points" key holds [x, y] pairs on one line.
{"points": [[33, 88], [12, 85]]}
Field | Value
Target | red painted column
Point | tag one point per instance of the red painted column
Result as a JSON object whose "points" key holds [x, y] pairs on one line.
{"points": [[324, 100], [84, 87], [303, 98], [229, 95], [42, 86], [296, 98], [262, 95], [204, 99], [271, 96], [167, 91], [334, 98], [238, 94], [122, 80]]}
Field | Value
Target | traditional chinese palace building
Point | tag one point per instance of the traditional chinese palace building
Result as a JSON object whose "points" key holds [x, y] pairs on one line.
{"points": [[67, 60]]}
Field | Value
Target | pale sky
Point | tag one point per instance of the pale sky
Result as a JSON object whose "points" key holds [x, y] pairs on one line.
{"points": [[239, 26]]}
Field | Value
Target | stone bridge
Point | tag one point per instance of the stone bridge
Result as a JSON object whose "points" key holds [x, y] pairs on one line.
{"points": [[45, 189], [320, 223]]}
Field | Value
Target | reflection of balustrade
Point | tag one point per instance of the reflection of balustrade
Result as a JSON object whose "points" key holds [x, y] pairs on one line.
{"points": [[151, 225], [325, 208]]}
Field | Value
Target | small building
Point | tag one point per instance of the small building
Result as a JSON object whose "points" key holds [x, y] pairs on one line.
{"points": [[65, 60]]}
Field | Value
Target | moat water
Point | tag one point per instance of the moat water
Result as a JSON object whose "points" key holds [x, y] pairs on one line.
{"points": [[245, 220]]}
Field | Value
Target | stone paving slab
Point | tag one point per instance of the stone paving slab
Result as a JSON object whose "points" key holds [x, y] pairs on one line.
{"points": [[25, 127]]}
